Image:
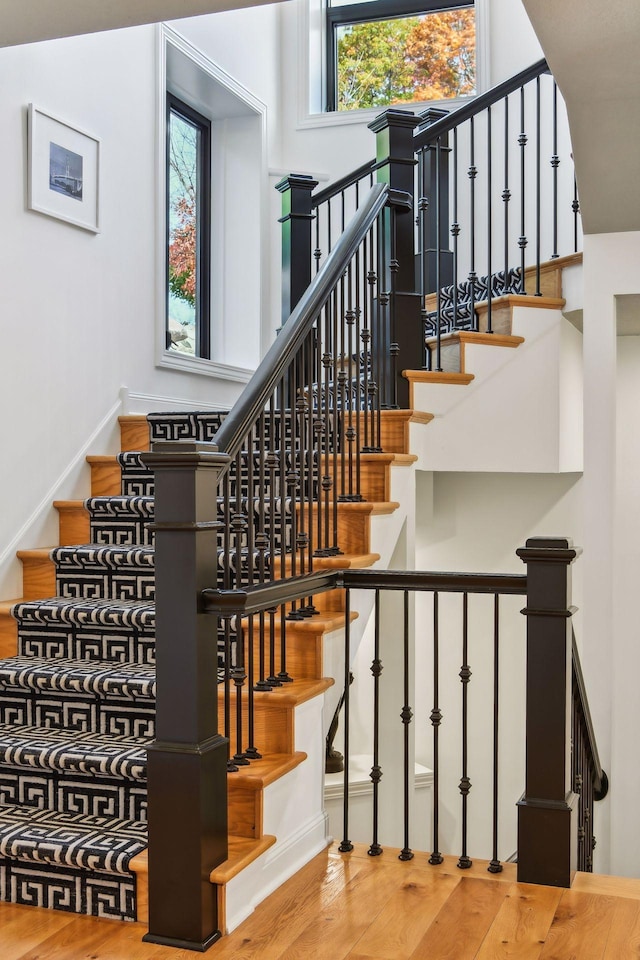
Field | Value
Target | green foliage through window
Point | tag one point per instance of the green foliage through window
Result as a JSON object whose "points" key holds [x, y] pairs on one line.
{"points": [[385, 62]]}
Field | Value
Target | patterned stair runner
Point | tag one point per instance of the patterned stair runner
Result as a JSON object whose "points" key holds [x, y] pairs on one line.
{"points": [[77, 704]]}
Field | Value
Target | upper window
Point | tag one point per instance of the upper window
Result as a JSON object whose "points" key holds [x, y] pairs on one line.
{"points": [[386, 52], [188, 229]]}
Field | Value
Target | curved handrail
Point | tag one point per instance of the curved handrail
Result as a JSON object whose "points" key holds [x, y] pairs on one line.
{"points": [[424, 137], [231, 435], [600, 779]]}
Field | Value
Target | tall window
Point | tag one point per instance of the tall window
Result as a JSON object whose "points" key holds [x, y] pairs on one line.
{"points": [[386, 52], [188, 230]]}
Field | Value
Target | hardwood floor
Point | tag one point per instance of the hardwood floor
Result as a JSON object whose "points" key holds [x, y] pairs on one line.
{"points": [[365, 908]]}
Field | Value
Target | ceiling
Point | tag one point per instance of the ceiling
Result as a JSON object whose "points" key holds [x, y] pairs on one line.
{"points": [[592, 49], [25, 21]]}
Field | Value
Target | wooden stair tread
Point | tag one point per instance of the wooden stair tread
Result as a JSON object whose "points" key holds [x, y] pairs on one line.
{"points": [[260, 773], [484, 339], [36, 553], [242, 852], [292, 694], [318, 623], [438, 376], [346, 560]]}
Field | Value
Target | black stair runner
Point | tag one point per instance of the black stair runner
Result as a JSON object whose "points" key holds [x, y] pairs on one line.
{"points": [[77, 704]]}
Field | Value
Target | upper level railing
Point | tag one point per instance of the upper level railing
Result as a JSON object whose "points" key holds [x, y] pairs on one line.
{"points": [[495, 199]]}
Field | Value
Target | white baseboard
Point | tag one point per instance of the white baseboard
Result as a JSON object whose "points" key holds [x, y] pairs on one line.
{"points": [[273, 868]]}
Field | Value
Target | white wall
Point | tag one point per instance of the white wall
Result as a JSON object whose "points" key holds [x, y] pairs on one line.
{"points": [[78, 311], [609, 634], [475, 522]]}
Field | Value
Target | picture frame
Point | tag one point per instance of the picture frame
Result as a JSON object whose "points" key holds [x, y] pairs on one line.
{"points": [[63, 171]]}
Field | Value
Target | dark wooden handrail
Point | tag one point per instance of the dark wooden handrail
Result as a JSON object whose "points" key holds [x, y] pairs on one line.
{"points": [[262, 596], [343, 183], [479, 103], [600, 779], [233, 431]]}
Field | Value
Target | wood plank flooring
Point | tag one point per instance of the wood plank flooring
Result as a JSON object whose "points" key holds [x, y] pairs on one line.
{"points": [[362, 908]]}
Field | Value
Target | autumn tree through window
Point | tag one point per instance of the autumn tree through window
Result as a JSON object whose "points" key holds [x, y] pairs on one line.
{"points": [[188, 230], [386, 52]]}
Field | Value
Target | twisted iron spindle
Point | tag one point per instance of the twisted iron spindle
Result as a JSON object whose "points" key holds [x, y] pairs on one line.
{"points": [[555, 163], [489, 224], [472, 173]]}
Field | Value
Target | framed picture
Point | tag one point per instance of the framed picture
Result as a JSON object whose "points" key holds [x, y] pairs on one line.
{"points": [[64, 171]]}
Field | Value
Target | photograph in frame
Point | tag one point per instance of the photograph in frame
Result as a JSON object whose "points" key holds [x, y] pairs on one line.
{"points": [[63, 170]]}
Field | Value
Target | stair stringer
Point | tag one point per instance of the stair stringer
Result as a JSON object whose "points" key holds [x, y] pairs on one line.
{"points": [[294, 814], [537, 429]]}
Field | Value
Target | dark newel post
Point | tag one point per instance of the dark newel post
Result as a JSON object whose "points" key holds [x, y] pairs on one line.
{"points": [[547, 830], [395, 163], [187, 778], [436, 183], [297, 245]]}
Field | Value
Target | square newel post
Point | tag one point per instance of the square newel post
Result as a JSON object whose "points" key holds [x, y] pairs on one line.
{"points": [[547, 834], [433, 191], [297, 243], [187, 778], [395, 161]]}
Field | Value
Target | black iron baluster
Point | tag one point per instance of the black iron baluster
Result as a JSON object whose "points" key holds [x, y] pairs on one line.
{"points": [[575, 206], [489, 224], [329, 226], [555, 162], [506, 194], [360, 270], [438, 264], [224, 560], [376, 772], [278, 519], [495, 866], [455, 227], [365, 338], [394, 347], [464, 861], [317, 253], [346, 846], [290, 446], [423, 206], [406, 715], [351, 385], [263, 539], [472, 174], [522, 239], [436, 719], [239, 527], [538, 188], [251, 752], [384, 341], [337, 440]]}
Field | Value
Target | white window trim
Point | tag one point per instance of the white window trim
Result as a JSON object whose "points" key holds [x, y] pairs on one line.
{"points": [[311, 61], [164, 358]]}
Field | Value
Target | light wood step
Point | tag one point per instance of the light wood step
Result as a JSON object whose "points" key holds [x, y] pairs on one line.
{"points": [[106, 476], [73, 522], [8, 629], [38, 573], [304, 644], [453, 352], [134, 432], [246, 791]]}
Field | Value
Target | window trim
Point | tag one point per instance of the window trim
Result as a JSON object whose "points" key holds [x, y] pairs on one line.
{"points": [[197, 81], [203, 219], [367, 12]]}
